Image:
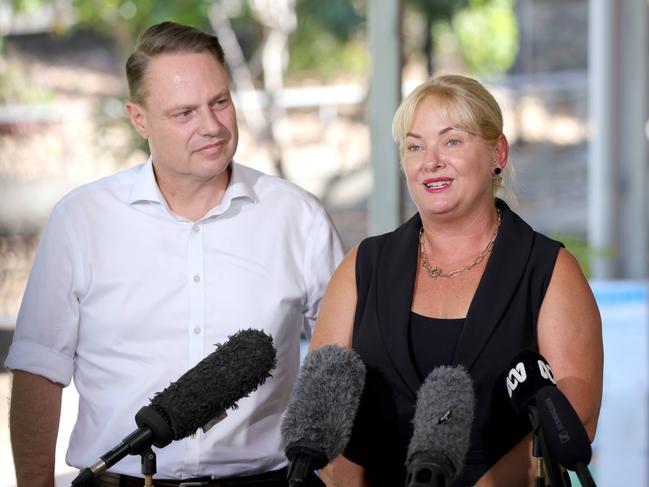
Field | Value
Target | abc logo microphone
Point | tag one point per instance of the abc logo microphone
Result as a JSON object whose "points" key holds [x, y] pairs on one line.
{"points": [[528, 374], [531, 386]]}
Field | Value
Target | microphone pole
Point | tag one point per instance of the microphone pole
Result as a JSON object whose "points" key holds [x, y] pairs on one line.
{"points": [[541, 452], [539, 475], [148, 467], [584, 476]]}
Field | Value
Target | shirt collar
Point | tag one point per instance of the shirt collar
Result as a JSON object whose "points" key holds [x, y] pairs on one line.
{"points": [[145, 188], [240, 185]]}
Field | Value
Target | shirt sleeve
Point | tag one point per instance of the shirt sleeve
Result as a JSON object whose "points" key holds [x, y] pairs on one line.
{"points": [[324, 252], [45, 338]]}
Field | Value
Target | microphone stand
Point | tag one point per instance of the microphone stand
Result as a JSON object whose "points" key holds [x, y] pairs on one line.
{"points": [[584, 476], [148, 470], [539, 444], [148, 466], [539, 477]]}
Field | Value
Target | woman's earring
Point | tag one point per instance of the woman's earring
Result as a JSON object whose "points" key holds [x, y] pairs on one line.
{"points": [[497, 171]]}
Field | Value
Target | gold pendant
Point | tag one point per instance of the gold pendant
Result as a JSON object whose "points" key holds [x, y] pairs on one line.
{"points": [[434, 271]]}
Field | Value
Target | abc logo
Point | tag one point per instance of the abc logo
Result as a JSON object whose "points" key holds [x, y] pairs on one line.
{"points": [[515, 377], [518, 375], [546, 371]]}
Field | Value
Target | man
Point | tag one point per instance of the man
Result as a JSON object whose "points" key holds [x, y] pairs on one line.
{"points": [[139, 274]]}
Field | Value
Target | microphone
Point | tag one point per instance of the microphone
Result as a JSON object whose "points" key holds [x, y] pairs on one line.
{"points": [[199, 397], [442, 428], [529, 372], [566, 437], [320, 414], [559, 433]]}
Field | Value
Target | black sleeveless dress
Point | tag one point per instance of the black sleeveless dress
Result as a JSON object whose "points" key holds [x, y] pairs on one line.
{"points": [[501, 321]]}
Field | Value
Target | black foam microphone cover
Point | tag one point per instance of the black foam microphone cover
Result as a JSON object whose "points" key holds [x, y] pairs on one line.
{"points": [[528, 373], [320, 414], [234, 370], [442, 428], [564, 432], [216, 383]]}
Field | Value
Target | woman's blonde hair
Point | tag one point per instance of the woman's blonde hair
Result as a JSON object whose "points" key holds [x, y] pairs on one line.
{"points": [[462, 102]]}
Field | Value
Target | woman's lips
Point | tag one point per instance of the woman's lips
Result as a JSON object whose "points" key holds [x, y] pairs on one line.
{"points": [[437, 185]]}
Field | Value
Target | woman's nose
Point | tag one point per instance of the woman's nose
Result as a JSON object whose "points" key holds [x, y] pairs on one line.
{"points": [[432, 159]]}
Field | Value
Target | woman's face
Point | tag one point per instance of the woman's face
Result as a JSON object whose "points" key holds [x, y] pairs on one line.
{"points": [[448, 170]]}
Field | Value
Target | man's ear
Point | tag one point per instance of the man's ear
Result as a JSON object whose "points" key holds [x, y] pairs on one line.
{"points": [[138, 117]]}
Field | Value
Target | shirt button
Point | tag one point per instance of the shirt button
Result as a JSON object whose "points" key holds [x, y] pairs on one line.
{"points": [[197, 330], [197, 278], [196, 228]]}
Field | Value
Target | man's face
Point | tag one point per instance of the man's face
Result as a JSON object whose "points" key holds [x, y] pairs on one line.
{"points": [[188, 118]]}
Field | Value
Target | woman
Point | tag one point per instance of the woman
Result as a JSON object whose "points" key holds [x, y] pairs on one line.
{"points": [[463, 282]]}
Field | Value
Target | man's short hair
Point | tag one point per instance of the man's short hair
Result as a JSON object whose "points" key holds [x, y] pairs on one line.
{"points": [[166, 38]]}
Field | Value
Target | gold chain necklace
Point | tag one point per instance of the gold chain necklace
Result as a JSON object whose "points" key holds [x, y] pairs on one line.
{"points": [[435, 271]]}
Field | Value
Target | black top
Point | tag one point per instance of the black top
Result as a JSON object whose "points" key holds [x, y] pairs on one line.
{"points": [[501, 321], [432, 342]]}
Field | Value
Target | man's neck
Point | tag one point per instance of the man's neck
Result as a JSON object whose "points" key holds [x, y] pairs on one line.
{"points": [[193, 198]]}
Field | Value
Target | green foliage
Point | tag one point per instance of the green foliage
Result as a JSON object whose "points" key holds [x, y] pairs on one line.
{"points": [[487, 35], [325, 42], [26, 5], [127, 19], [339, 18], [327, 39], [315, 50], [582, 251]]}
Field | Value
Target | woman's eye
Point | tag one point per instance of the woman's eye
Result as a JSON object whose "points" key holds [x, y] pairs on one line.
{"points": [[414, 148], [453, 142]]}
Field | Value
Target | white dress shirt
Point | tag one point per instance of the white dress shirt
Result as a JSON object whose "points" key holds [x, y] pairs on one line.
{"points": [[125, 296]]}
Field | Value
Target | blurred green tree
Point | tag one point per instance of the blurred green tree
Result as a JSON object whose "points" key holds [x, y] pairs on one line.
{"points": [[487, 35], [434, 11], [124, 20], [329, 39]]}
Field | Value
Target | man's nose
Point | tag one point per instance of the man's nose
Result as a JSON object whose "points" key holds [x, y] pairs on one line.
{"points": [[210, 125]]}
